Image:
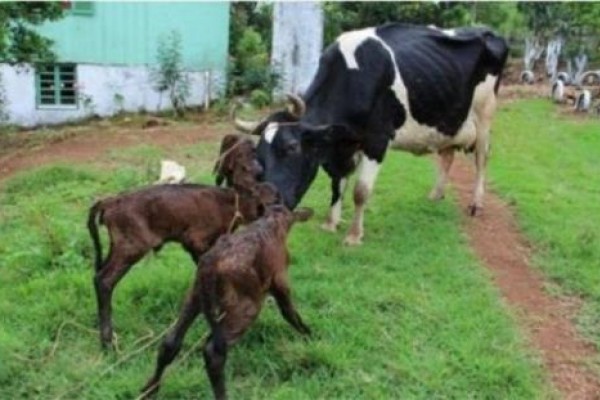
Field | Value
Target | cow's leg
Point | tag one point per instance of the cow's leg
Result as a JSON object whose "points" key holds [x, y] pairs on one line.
{"points": [[367, 174], [445, 159], [482, 148], [481, 155], [338, 187], [171, 345]]}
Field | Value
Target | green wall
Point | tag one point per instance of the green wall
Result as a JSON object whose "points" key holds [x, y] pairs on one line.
{"points": [[128, 32]]}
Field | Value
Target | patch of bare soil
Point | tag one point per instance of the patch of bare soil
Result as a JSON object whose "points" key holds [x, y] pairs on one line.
{"points": [[496, 240], [87, 145], [512, 92]]}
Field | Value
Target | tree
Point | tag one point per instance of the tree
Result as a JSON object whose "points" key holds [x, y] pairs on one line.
{"points": [[170, 76], [343, 16], [250, 45], [19, 42]]}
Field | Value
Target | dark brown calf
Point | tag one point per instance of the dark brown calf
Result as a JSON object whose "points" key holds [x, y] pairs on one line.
{"points": [[192, 215], [232, 281]]}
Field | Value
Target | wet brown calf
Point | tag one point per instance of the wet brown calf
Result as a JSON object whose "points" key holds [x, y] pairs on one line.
{"points": [[192, 215], [235, 276]]}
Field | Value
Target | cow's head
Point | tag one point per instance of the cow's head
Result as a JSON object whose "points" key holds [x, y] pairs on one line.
{"points": [[290, 151]]}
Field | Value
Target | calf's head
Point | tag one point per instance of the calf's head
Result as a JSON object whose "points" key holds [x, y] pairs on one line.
{"points": [[290, 150], [237, 163]]}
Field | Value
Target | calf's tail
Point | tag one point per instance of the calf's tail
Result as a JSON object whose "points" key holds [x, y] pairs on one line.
{"points": [[93, 229]]}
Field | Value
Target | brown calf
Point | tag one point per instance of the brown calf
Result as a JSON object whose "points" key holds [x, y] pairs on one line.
{"points": [[192, 215], [235, 276]]}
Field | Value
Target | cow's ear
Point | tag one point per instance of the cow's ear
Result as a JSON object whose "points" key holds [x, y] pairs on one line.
{"points": [[326, 136]]}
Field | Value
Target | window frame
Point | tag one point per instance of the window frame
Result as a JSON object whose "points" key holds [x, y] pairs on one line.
{"points": [[57, 83]]}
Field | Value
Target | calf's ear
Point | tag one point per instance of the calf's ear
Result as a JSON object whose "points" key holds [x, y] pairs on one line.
{"points": [[223, 165], [303, 214]]}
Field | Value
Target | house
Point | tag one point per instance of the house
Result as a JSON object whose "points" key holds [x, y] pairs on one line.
{"points": [[106, 54]]}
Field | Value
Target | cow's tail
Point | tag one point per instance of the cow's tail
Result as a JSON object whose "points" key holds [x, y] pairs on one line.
{"points": [[210, 306], [95, 211]]}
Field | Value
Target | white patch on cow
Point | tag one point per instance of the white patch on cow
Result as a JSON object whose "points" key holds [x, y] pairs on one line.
{"points": [[419, 138], [449, 32], [412, 136], [350, 41], [367, 172], [335, 214], [271, 131]]}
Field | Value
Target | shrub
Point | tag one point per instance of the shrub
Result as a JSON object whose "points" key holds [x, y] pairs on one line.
{"points": [[251, 70], [170, 75], [260, 98]]}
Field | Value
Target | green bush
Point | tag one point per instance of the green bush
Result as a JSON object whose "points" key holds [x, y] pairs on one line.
{"points": [[251, 70], [260, 98]]}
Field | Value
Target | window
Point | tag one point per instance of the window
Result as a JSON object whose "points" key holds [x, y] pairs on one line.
{"points": [[79, 7], [55, 85]]}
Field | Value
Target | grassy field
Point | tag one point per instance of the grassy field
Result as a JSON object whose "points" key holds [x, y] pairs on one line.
{"points": [[547, 165], [410, 315]]}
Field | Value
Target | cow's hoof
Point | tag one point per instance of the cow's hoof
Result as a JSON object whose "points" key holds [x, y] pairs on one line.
{"points": [[329, 226], [436, 195], [475, 210], [353, 240]]}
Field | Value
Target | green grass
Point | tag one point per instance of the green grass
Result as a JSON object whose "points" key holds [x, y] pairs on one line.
{"points": [[409, 315], [548, 167]]}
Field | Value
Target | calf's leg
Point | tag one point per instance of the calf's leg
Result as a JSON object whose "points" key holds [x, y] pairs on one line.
{"points": [[234, 322], [215, 356], [105, 281], [171, 345], [281, 291]]}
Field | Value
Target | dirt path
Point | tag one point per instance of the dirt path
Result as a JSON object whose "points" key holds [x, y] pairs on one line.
{"points": [[494, 236], [90, 145], [497, 241]]}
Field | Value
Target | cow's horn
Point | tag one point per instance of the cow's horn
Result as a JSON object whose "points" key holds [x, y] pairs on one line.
{"points": [[240, 124], [298, 106]]}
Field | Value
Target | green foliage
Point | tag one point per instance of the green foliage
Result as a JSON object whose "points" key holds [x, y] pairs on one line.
{"points": [[504, 17], [577, 22], [554, 194], [343, 16], [251, 69], [260, 98], [245, 14], [19, 43], [170, 75], [410, 315], [250, 38]]}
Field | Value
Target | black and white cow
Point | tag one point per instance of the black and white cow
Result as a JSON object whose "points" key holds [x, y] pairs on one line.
{"points": [[414, 88]]}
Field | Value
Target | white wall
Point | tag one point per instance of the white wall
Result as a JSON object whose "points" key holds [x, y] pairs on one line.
{"points": [[297, 43], [101, 83]]}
